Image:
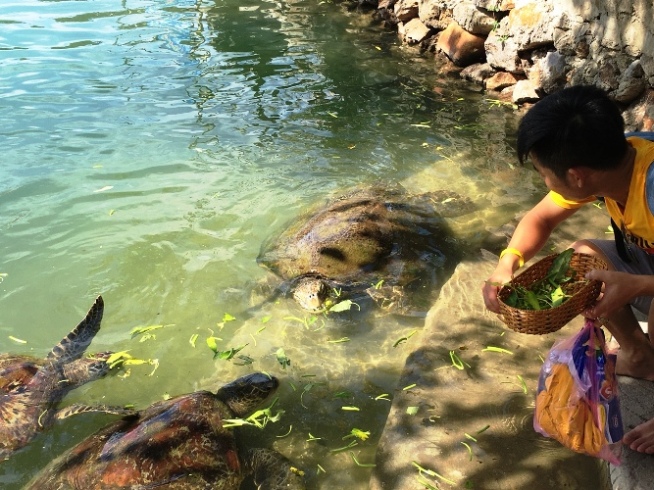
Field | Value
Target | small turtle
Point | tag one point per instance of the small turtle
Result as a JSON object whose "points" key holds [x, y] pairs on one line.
{"points": [[31, 388], [178, 444], [372, 242]]}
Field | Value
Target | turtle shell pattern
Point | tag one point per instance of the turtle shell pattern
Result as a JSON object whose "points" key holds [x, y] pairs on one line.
{"points": [[178, 444], [363, 237]]}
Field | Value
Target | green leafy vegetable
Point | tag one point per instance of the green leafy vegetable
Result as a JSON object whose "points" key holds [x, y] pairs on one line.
{"points": [[548, 292], [282, 359]]}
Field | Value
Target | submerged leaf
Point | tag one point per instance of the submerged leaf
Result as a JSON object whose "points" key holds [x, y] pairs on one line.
{"points": [[282, 359]]}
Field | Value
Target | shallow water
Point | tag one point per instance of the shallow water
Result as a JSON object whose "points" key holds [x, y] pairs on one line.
{"points": [[151, 147]]}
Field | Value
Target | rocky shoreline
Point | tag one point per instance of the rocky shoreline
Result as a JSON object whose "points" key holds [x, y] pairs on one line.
{"points": [[522, 50]]}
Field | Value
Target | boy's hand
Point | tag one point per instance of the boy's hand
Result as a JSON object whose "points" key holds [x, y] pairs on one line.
{"points": [[619, 289], [492, 286]]}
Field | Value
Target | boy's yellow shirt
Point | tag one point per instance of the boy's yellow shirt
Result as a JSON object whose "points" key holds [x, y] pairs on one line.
{"points": [[636, 220]]}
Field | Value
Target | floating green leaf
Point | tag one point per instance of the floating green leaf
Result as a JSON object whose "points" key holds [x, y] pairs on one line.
{"points": [[228, 354], [212, 343], [401, 340], [282, 359], [457, 362], [341, 306], [358, 433], [259, 419], [500, 350], [345, 448], [363, 465], [339, 341], [140, 330], [432, 473]]}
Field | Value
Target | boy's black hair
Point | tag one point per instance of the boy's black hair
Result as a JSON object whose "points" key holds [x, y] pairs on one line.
{"points": [[576, 127]]}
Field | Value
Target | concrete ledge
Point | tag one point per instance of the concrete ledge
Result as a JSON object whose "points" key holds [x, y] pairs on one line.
{"points": [[473, 426], [637, 405]]}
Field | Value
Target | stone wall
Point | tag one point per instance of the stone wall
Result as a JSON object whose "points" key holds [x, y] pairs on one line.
{"points": [[522, 50]]}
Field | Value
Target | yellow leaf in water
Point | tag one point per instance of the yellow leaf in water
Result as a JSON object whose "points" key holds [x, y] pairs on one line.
{"points": [[135, 362]]}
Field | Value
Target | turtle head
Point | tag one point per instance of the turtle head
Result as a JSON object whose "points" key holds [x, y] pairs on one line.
{"points": [[86, 369], [244, 394], [310, 292]]}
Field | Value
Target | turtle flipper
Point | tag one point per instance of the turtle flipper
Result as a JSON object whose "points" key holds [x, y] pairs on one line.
{"points": [[272, 471], [73, 345], [78, 408]]}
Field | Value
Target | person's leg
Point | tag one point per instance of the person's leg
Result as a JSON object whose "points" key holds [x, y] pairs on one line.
{"points": [[636, 355], [641, 437]]}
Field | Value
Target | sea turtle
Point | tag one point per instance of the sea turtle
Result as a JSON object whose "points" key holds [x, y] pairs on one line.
{"points": [[372, 242], [179, 444], [31, 388]]}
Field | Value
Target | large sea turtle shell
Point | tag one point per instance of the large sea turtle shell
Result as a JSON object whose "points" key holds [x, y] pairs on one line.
{"points": [[32, 388], [177, 444], [374, 240]]}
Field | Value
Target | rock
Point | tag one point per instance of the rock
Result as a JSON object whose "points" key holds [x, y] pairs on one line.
{"points": [[495, 5], [477, 72], [386, 4], [413, 31], [473, 19], [461, 46], [548, 72], [640, 114], [647, 63], [501, 80], [572, 37], [525, 91], [632, 83], [406, 10], [436, 14]]}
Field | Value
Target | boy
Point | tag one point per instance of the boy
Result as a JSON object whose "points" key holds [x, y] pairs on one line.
{"points": [[575, 140]]}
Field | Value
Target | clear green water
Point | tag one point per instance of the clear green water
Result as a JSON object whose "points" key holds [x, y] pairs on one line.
{"points": [[150, 147]]}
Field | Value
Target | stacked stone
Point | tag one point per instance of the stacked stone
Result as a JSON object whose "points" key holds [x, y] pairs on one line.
{"points": [[526, 49]]}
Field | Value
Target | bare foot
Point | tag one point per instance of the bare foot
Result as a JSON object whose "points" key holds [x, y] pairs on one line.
{"points": [[636, 362], [641, 438]]}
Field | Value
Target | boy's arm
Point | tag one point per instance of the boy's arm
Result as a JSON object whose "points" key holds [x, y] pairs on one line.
{"points": [[529, 237]]}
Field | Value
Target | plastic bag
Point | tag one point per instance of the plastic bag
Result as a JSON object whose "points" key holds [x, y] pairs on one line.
{"points": [[577, 402]]}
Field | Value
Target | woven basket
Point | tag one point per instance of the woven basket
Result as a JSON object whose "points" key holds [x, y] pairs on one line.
{"points": [[552, 319]]}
